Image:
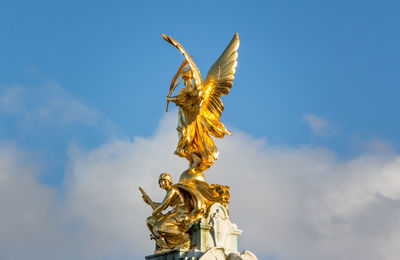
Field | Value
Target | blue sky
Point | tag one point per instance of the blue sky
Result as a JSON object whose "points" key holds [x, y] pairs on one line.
{"points": [[83, 75]]}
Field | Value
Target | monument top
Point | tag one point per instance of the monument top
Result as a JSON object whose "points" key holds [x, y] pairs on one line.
{"points": [[198, 221]]}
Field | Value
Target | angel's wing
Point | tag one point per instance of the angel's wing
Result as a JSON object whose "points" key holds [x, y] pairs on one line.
{"points": [[218, 82], [195, 70]]}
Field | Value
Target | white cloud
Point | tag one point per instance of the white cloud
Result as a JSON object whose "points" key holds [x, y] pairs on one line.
{"points": [[102, 189], [32, 224], [45, 104], [318, 125], [309, 205], [292, 203]]}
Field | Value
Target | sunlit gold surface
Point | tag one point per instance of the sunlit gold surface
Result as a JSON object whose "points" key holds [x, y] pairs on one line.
{"points": [[200, 108], [189, 200]]}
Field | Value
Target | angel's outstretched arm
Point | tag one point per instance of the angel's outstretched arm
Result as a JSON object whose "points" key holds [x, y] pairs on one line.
{"points": [[173, 99]]}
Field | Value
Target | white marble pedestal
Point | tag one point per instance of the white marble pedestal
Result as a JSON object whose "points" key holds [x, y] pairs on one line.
{"points": [[213, 238]]}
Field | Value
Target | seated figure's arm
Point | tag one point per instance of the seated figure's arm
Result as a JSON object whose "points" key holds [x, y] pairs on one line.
{"points": [[165, 203], [147, 199], [153, 204]]}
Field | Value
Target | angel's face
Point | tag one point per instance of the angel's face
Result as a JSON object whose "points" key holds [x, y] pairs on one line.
{"points": [[187, 74], [187, 77]]}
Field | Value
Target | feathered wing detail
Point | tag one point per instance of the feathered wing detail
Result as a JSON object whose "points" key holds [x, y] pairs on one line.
{"points": [[195, 70], [218, 82]]}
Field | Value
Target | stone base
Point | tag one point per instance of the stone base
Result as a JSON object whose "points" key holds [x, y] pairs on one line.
{"points": [[218, 253], [177, 255], [215, 253], [212, 238], [216, 230]]}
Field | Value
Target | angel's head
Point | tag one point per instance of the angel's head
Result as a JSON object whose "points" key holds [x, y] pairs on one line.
{"points": [[165, 181], [187, 76]]}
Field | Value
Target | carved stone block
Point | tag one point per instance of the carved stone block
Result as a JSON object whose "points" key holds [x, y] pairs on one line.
{"points": [[216, 230], [212, 238]]}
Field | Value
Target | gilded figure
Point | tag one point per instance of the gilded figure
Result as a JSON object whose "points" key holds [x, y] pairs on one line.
{"points": [[200, 107], [170, 229], [188, 201]]}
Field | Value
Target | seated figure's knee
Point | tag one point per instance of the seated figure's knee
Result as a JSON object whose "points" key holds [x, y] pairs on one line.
{"points": [[159, 228], [151, 221]]}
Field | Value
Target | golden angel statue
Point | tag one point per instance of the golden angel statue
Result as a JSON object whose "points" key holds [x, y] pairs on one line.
{"points": [[200, 107]]}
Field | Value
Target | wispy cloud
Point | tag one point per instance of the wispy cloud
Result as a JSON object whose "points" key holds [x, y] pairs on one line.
{"points": [[319, 125], [45, 104], [292, 203]]}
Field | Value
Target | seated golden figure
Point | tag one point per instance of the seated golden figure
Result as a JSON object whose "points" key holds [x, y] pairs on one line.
{"points": [[169, 230], [189, 201]]}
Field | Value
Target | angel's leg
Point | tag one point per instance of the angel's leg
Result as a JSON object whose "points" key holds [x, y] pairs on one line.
{"points": [[195, 161], [181, 148], [182, 135]]}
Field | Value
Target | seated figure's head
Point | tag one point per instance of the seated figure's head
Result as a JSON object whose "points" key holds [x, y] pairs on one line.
{"points": [[165, 180]]}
